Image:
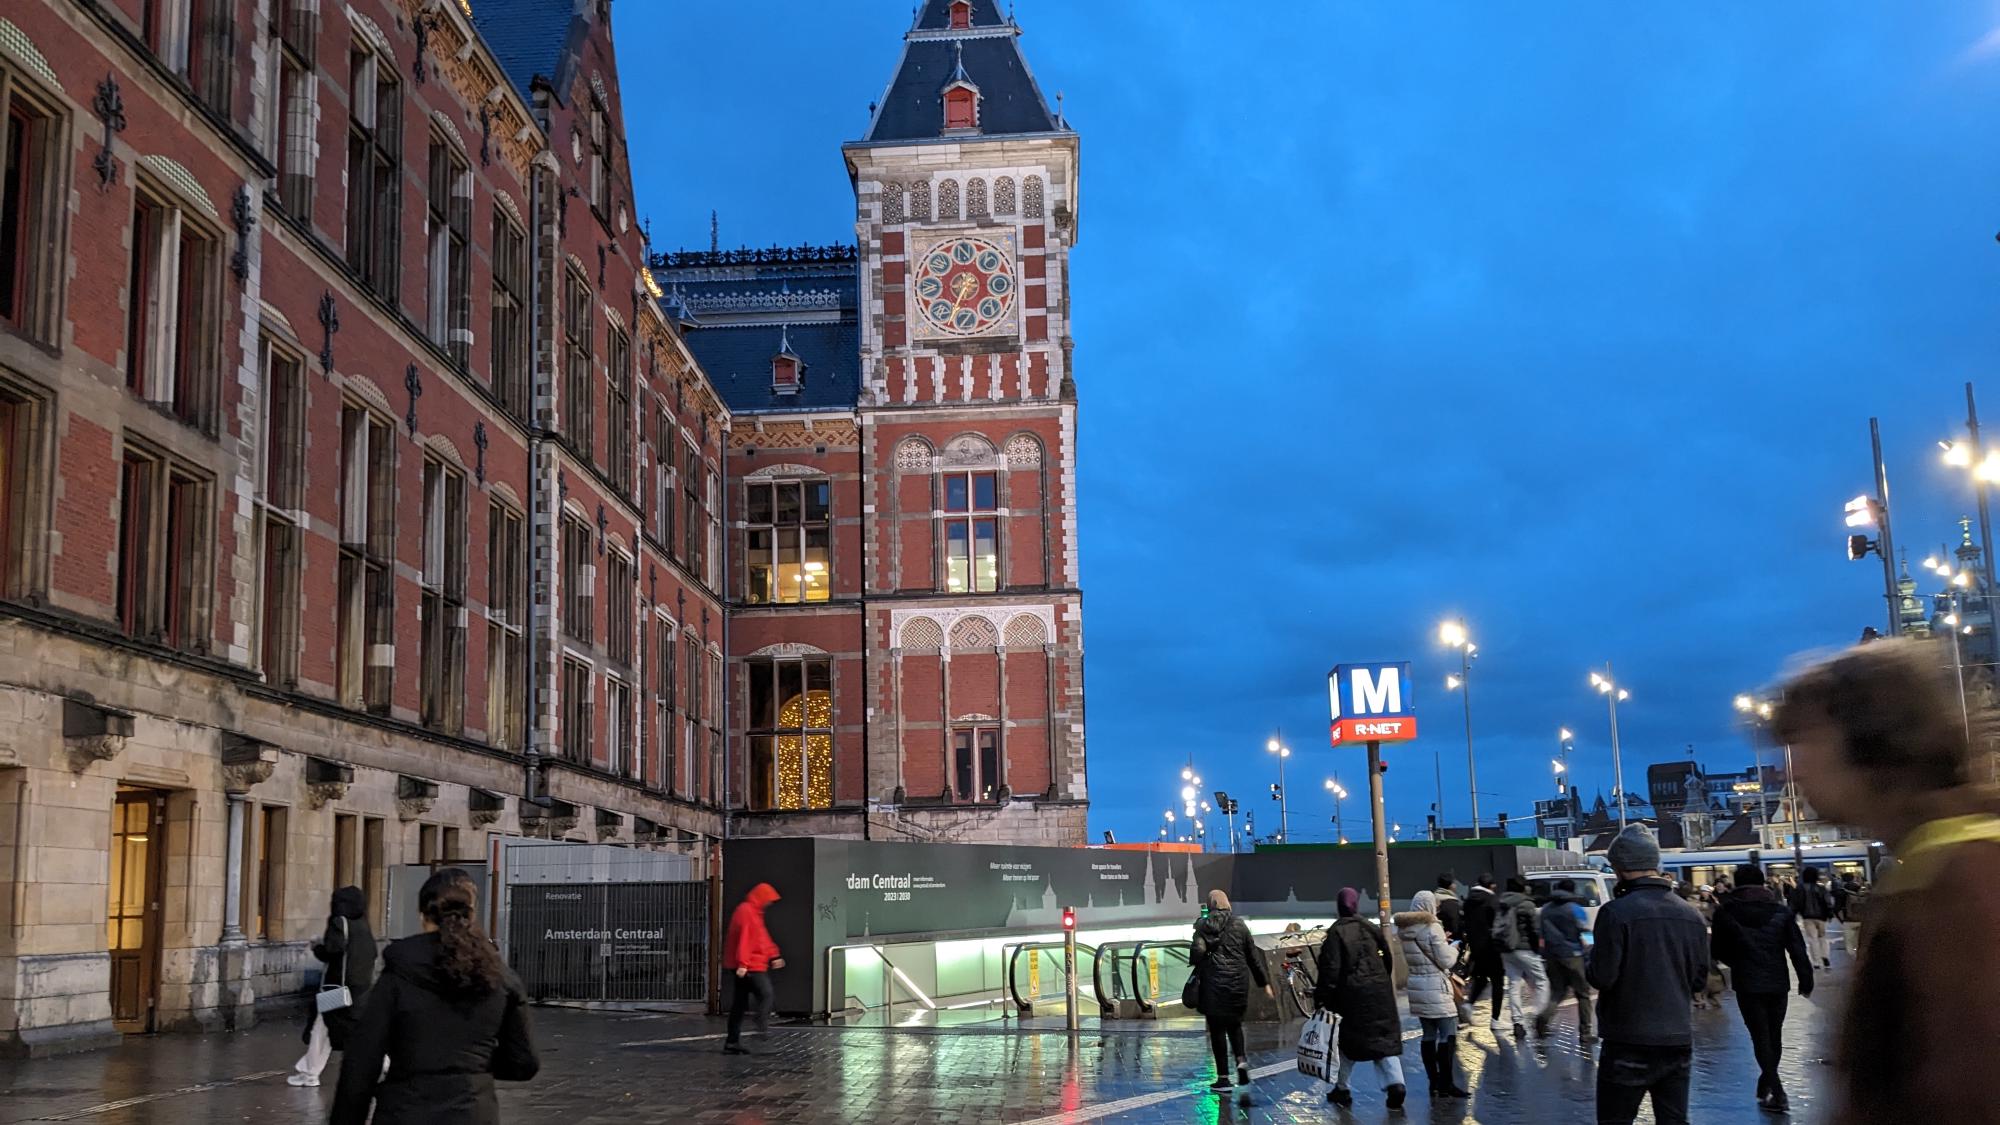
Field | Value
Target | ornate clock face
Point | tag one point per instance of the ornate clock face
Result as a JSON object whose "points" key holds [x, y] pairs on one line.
{"points": [[965, 286]]}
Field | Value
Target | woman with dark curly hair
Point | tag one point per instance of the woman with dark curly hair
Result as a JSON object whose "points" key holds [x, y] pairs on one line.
{"points": [[1881, 742], [449, 1016]]}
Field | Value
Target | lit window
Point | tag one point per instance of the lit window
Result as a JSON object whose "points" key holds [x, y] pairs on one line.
{"points": [[971, 533], [791, 733], [787, 540]]}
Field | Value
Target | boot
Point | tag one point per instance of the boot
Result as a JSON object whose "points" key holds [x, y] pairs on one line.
{"points": [[1430, 1052], [1447, 1064]]}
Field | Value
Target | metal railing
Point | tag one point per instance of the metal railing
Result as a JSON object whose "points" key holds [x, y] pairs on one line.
{"points": [[890, 975], [1013, 961]]}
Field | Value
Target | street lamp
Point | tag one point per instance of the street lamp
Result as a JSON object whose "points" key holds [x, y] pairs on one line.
{"points": [[1964, 455], [1613, 696], [1284, 811], [1339, 795], [1758, 712], [1452, 634]]}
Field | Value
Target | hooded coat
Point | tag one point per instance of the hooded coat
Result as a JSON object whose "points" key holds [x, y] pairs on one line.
{"points": [[444, 1049], [348, 952], [1228, 962], [1425, 949], [1356, 982], [1481, 904], [1562, 925], [1753, 934], [748, 945]]}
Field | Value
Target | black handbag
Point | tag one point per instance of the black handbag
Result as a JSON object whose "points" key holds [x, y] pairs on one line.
{"points": [[1191, 991]]}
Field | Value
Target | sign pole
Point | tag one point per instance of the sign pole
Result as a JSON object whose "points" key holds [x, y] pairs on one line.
{"points": [[1381, 831]]}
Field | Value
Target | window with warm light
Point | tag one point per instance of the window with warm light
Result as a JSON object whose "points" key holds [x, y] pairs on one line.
{"points": [[787, 541], [971, 533], [791, 733]]}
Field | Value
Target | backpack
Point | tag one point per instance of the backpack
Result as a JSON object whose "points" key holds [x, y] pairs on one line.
{"points": [[1506, 932]]}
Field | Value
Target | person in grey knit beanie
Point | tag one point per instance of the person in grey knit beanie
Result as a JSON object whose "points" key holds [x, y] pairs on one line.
{"points": [[1636, 850]]}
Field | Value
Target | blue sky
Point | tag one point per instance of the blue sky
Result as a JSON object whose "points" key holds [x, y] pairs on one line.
{"points": [[1568, 318]]}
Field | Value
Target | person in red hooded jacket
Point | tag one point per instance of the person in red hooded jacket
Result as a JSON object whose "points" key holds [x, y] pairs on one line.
{"points": [[750, 954]]}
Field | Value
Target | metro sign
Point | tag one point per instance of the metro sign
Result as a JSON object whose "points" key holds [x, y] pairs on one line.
{"points": [[1372, 703]]}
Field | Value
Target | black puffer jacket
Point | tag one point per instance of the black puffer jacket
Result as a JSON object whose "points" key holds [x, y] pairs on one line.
{"points": [[1481, 904], [1753, 934], [349, 955], [1355, 984], [444, 1050], [1228, 962]]}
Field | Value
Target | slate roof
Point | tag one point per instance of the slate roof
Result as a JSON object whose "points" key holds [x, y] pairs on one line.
{"points": [[528, 37], [737, 358], [1010, 103], [1741, 833]]}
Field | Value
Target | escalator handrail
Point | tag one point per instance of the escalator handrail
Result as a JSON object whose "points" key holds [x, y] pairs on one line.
{"points": [[1014, 960], [1138, 957]]}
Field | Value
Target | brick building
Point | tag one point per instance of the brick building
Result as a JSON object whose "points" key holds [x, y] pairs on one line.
{"points": [[331, 541], [360, 499], [906, 631]]}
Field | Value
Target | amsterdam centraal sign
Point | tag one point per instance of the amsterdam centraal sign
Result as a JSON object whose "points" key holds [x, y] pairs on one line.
{"points": [[608, 941]]}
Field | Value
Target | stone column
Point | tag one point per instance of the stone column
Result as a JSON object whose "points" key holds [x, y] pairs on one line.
{"points": [[232, 879]]}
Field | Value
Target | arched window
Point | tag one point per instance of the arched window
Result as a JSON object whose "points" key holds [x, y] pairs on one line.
{"points": [[971, 494], [920, 202], [975, 198], [892, 202], [791, 732], [913, 456], [947, 207], [1003, 195], [1032, 205]]}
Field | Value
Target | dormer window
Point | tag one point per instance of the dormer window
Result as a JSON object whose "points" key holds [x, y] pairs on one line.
{"points": [[961, 108], [961, 14], [787, 369]]}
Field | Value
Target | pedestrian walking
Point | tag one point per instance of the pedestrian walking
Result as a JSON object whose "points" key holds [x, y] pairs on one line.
{"points": [[1356, 981], [1562, 923], [748, 956], [347, 949], [1879, 743], [1517, 932], [1482, 904], [446, 1013], [1428, 953], [1450, 911], [1226, 961], [1814, 907], [1648, 959], [1754, 934]]}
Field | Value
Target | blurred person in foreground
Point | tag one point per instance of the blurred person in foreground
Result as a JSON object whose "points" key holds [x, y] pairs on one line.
{"points": [[448, 1014], [1879, 743]]}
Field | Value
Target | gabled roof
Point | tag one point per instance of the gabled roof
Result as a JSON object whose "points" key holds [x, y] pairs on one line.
{"points": [[1741, 833], [530, 38], [987, 54]]}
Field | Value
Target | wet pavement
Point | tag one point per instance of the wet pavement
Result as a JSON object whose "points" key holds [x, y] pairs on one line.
{"points": [[605, 1067]]}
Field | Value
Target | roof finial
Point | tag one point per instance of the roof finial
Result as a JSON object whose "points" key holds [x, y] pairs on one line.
{"points": [[1059, 108], [714, 232]]}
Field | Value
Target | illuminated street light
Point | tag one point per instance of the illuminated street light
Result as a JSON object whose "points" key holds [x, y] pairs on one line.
{"points": [[1956, 454], [1284, 805], [1613, 696], [1334, 787]]}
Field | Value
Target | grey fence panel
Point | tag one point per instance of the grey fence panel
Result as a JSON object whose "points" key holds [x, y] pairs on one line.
{"points": [[604, 924]]}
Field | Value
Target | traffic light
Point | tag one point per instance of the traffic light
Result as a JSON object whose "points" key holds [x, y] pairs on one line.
{"points": [[1382, 765], [1069, 918]]}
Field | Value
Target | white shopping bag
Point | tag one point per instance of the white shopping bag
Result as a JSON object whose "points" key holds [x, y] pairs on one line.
{"points": [[1316, 1057]]}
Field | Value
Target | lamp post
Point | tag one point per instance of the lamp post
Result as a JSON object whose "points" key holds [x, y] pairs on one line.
{"points": [[1454, 635], [1985, 467], [1339, 795], [1284, 812], [1613, 695], [1758, 713], [1565, 742]]}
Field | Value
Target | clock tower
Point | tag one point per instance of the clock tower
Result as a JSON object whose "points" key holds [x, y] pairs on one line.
{"points": [[965, 190]]}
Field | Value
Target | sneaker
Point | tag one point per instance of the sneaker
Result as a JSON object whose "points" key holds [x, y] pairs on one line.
{"points": [[1497, 1027], [1242, 1074], [1340, 1096], [1222, 1083], [1777, 1103], [1396, 1093], [302, 1080]]}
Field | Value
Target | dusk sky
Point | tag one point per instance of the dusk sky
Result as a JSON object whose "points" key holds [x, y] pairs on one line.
{"points": [[1568, 318]]}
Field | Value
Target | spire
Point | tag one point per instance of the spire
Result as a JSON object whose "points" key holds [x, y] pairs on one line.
{"points": [[958, 65], [714, 232]]}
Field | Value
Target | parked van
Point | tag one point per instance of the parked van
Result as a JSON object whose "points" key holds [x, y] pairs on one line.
{"points": [[1593, 888]]}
